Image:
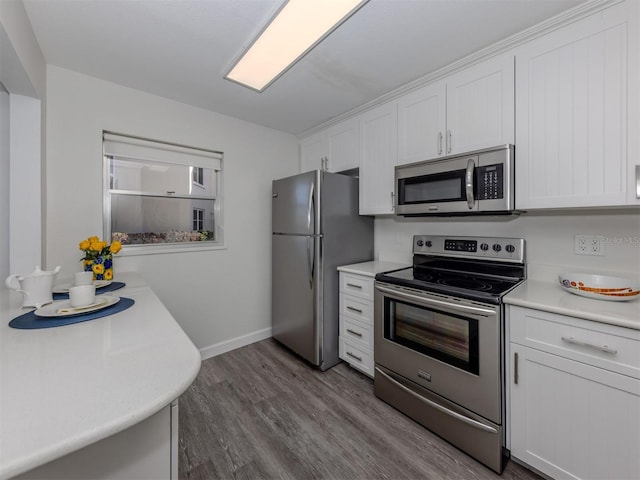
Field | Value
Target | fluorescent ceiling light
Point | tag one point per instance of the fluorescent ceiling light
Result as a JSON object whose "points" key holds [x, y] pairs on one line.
{"points": [[296, 28]]}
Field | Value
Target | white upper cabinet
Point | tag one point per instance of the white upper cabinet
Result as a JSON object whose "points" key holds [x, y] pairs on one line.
{"points": [[313, 151], [480, 106], [422, 124], [334, 149], [576, 113], [378, 158], [343, 142], [470, 110]]}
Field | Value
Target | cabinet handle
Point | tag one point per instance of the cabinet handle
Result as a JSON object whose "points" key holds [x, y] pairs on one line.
{"points": [[354, 285], [353, 332], [515, 368], [449, 142], [393, 201], [600, 348], [354, 356], [439, 143], [637, 181], [353, 309]]}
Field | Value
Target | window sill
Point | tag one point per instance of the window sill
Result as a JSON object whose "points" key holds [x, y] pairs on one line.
{"points": [[158, 249]]}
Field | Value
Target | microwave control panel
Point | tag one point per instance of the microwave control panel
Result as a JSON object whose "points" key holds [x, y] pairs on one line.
{"points": [[490, 182]]}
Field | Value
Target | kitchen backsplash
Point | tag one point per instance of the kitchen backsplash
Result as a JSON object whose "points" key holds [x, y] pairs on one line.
{"points": [[550, 238]]}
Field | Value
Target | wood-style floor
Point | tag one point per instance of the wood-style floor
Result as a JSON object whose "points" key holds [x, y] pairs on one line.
{"points": [[259, 412]]}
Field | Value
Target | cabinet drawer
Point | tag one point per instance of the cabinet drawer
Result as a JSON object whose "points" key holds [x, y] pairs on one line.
{"points": [[606, 346], [357, 357], [356, 308], [355, 331], [357, 285]]}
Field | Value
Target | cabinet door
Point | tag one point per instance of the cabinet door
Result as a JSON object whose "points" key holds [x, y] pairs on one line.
{"points": [[571, 104], [313, 150], [422, 124], [569, 419], [480, 106], [378, 147], [343, 143]]}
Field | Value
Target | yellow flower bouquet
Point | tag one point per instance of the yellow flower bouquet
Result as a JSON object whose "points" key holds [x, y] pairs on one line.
{"points": [[98, 257]]}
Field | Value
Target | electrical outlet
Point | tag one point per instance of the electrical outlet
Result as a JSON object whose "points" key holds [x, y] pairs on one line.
{"points": [[589, 245]]}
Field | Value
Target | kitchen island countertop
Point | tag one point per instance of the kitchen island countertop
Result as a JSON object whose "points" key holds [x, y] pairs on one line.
{"points": [[370, 269], [64, 388], [551, 297]]}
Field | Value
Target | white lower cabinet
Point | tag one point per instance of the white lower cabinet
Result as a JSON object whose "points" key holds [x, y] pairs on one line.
{"points": [[147, 450], [574, 396], [356, 321]]}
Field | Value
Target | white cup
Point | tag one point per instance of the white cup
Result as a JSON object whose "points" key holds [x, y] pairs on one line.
{"points": [[82, 295], [82, 278]]}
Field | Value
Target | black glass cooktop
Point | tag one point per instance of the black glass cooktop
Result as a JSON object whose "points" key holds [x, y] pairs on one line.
{"points": [[483, 281]]}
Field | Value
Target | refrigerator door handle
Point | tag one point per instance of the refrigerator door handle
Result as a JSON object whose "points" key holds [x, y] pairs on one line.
{"points": [[311, 259], [311, 207]]}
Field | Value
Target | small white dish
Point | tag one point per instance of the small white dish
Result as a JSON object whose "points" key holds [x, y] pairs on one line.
{"points": [[601, 287], [64, 288], [63, 308]]}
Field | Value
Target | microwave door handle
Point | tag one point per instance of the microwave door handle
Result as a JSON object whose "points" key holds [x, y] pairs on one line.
{"points": [[468, 183]]}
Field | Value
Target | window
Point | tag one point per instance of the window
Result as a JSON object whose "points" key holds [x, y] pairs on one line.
{"points": [[198, 219], [197, 176], [161, 194]]}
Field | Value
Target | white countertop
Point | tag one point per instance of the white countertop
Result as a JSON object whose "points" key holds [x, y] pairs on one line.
{"points": [[370, 269], [63, 388], [551, 297]]}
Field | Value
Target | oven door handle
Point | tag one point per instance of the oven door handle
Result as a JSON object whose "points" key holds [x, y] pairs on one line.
{"points": [[431, 301], [445, 410]]}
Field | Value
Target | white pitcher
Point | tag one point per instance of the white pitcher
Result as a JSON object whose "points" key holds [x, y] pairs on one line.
{"points": [[36, 287]]}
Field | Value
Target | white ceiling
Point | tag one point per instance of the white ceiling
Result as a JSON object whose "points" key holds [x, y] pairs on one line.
{"points": [[180, 49]]}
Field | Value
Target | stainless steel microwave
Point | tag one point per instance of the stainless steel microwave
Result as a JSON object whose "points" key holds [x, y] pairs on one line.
{"points": [[474, 183]]}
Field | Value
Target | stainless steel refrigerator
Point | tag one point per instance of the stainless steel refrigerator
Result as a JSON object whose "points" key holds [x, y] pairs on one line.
{"points": [[316, 228]]}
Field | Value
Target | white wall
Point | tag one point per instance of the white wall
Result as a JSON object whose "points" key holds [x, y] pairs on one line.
{"points": [[25, 184], [4, 185], [216, 296], [549, 238], [23, 74]]}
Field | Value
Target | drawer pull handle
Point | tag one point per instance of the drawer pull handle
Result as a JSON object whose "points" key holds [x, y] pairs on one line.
{"points": [[353, 332], [353, 309], [353, 285], [515, 368], [354, 356], [601, 348]]}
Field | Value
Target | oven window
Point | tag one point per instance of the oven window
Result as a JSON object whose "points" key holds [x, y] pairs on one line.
{"points": [[449, 338]]}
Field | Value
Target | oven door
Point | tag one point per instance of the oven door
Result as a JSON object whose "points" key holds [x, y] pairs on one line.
{"points": [[449, 346]]}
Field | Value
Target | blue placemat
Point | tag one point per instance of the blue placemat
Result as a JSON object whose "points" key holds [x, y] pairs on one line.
{"points": [[109, 288], [30, 321]]}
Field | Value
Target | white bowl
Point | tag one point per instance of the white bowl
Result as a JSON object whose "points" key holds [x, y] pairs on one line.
{"points": [[602, 287]]}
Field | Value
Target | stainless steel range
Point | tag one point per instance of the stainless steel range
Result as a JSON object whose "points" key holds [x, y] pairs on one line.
{"points": [[439, 338]]}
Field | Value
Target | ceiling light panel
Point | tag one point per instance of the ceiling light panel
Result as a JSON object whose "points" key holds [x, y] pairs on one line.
{"points": [[297, 27]]}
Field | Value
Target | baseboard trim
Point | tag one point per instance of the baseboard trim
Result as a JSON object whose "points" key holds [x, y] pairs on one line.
{"points": [[232, 344]]}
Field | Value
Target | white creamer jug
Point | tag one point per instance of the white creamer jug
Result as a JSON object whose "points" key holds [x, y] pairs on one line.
{"points": [[36, 287]]}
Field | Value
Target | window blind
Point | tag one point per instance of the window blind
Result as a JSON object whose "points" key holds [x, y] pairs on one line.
{"points": [[125, 146]]}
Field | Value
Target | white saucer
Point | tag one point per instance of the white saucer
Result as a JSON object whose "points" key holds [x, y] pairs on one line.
{"points": [[64, 288], [53, 309]]}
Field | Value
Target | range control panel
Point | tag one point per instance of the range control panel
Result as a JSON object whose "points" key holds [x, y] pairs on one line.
{"points": [[490, 248]]}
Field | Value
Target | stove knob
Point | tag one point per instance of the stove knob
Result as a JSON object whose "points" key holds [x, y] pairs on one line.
{"points": [[420, 243], [496, 247], [428, 243], [484, 246], [510, 248]]}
